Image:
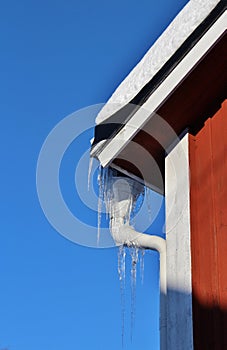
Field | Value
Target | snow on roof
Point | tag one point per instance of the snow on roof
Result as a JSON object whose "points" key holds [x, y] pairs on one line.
{"points": [[166, 45]]}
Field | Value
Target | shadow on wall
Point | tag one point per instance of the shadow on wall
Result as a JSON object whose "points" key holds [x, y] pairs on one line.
{"points": [[209, 323]]}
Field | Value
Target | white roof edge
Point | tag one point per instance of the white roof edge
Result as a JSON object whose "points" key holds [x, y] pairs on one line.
{"points": [[114, 147], [190, 17]]}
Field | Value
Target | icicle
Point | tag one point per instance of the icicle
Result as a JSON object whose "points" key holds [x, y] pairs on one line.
{"points": [[89, 172], [104, 183], [100, 201], [127, 217], [142, 256], [121, 263], [148, 200], [134, 256], [108, 191], [137, 201], [121, 274]]}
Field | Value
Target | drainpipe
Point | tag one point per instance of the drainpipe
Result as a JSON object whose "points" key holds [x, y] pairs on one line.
{"points": [[124, 193]]}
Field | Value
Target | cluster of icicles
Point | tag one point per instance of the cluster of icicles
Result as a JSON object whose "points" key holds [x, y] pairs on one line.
{"points": [[135, 257], [106, 179]]}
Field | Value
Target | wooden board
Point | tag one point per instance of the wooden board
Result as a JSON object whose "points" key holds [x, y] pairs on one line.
{"points": [[208, 176]]}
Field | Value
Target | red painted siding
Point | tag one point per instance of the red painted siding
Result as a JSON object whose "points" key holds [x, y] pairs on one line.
{"points": [[208, 176]]}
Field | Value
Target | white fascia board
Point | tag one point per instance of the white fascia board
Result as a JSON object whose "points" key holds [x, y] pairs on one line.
{"points": [[183, 25], [139, 119]]}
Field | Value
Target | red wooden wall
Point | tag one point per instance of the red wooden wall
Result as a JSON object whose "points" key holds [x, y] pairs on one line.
{"points": [[208, 179]]}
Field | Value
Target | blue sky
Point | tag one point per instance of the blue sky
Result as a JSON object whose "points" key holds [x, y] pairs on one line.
{"points": [[58, 57]]}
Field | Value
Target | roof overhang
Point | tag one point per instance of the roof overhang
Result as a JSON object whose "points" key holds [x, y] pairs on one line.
{"points": [[185, 94]]}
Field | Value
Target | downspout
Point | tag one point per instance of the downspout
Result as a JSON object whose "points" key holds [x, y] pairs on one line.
{"points": [[124, 191]]}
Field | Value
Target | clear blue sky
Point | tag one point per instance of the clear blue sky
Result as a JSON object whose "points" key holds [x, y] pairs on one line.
{"points": [[57, 57]]}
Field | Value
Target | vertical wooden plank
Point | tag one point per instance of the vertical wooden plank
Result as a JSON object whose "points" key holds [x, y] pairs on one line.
{"points": [[219, 160], [208, 232]]}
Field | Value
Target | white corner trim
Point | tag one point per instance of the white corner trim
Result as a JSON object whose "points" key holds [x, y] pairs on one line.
{"points": [[179, 287], [114, 147]]}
